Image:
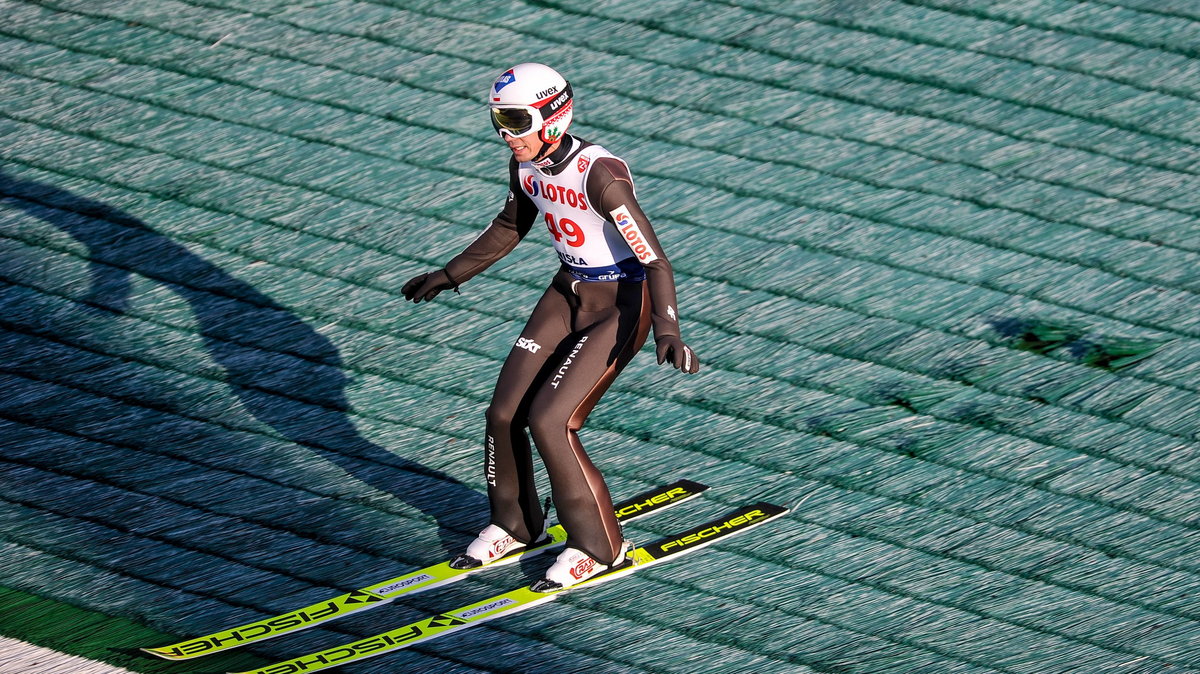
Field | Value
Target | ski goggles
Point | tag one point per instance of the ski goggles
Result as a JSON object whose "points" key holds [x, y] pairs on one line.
{"points": [[518, 121]]}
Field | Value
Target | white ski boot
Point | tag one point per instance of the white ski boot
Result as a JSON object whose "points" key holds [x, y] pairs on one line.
{"points": [[574, 566], [492, 544]]}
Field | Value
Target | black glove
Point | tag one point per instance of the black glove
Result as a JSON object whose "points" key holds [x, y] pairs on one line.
{"points": [[681, 355], [427, 286]]}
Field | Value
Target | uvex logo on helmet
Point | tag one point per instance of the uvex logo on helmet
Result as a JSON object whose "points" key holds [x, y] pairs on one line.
{"points": [[563, 99], [556, 125]]}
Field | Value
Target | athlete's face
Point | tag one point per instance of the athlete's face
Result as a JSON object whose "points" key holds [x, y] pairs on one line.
{"points": [[525, 149]]}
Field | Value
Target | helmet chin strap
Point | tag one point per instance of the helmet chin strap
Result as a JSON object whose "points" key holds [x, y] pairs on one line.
{"points": [[547, 149]]}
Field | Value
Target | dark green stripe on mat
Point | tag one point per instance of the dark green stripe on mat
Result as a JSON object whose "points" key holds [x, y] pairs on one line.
{"points": [[77, 631]]}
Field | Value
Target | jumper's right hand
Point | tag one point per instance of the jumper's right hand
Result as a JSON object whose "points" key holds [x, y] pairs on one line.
{"points": [[427, 286], [671, 349]]}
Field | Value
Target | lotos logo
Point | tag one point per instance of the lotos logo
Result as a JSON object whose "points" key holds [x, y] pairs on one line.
{"points": [[583, 163], [633, 235], [554, 193], [532, 187], [505, 80], [583, 568]]}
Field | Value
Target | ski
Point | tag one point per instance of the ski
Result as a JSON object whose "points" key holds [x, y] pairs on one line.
{"points": [[371, 596], [518, 600]]}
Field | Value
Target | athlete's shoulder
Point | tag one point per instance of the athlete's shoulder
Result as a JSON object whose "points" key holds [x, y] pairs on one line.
{"points": [[607, 178], [603, 170], [612, 167], [594, 150]]}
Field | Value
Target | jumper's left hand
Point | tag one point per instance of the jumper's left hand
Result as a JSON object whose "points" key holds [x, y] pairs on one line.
{"points": [[672, 348], [427, 286]]}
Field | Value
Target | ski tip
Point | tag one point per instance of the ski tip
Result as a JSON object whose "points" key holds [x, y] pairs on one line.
{"points": [[730, 523], [127, 651], [165, 653], [771, 509], [692, 486]]}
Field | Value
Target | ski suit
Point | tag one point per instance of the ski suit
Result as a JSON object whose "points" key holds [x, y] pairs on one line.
{"points": [[613, 283]]}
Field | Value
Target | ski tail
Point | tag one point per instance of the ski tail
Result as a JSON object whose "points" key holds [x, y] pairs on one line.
{"points": [[663, 549], [369, 597]]}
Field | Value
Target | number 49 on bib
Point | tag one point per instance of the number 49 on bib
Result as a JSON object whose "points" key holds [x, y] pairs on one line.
{"points": [[565, 227]]}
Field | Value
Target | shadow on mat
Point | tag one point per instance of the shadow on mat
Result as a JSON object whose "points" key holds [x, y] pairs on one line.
{"points": [[286, 374]]}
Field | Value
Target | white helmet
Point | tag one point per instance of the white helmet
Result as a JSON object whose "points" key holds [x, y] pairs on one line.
{"points": [[529, 98]]}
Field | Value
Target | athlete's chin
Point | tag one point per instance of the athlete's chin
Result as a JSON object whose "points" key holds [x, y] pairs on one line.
{"points": [[522, 153]]}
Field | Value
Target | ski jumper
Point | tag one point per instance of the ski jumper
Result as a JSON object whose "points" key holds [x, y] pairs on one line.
{"points": [[613, 283]]}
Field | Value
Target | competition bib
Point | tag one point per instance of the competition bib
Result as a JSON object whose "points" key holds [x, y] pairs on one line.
{"points": [[592, 248]]}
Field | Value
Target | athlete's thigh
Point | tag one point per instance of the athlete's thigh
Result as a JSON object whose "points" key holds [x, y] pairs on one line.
{"points": [[595, 354], [534, 353], [582, 373]]}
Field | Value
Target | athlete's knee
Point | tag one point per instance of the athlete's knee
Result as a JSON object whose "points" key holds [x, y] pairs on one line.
{"points": [[503, 416], [548, 426]]}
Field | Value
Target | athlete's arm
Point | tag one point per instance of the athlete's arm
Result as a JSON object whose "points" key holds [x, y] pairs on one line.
{"points": [[501, 236], [610, 187]]}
